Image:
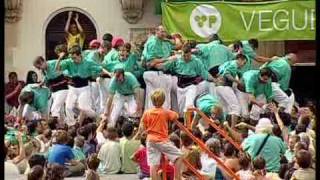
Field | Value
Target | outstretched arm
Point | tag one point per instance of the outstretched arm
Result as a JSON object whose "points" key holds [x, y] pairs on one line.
{"points": [[66, 28], [76, 19]]}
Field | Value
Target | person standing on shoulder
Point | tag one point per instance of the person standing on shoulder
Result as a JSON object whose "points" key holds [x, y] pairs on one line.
{"points": [[74, 32]]}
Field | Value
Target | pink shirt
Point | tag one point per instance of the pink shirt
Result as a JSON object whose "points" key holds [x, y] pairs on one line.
{"points": [[141, 157]]}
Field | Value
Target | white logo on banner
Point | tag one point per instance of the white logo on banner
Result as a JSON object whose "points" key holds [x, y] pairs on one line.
{"points": [[205, 20]]}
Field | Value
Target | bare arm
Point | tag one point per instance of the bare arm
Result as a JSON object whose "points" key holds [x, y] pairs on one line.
{"points": [[76, 19], [66, 28], [136, 97], [61, 55], [262, 59], [254, 101], [109, 103], [22, 153]]}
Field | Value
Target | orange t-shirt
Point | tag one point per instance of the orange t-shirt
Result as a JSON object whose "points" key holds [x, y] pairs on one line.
{"points": [[155, 122]]}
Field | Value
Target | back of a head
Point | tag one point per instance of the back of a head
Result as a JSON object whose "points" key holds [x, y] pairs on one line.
{"points": [[61, 137], [254, 43], [259, 163], [229, 149], [36, 173], [304, 158], [76, 49], [158, 97], [305, 138], [214, 145], [37, 159], [300, 128], [79, 141], [265, 72], [85, 131], [127, 129], [93, 161], [112, 133], [55, 172], [244, 160], [107, 37], [185, 139]]}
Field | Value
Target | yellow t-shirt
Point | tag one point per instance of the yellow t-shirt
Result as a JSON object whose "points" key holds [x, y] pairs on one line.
{"points": [[77, 39]]}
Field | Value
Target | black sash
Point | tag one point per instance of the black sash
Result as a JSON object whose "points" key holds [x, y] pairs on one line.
{"points": [[214, 71], [274, 77], [58, 83], [79, 82], [184, 81]]}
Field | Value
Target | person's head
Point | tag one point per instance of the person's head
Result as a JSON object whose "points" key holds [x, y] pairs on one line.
{"points": [[93, 162], [37, 159], [264, 126], [36, 173], [217, 112], [61, 137], [26, 97], [32, 77], [259, 163], [61, 48], [117, 42], [174, 138], [119, 73], [112, 133], [237, 46], [52, 123], [74, 29], [293, 139], [13, 77], [158, 97], [293, 58], [123, 53], [276, 130], [75, 53], [55, 172], [70, 142], [185, 139], [244, 160], [264, 75], [186, 52], [161, 32], [34, 126], [214, 145], [86, 132], [303, 159], [197, 132], [127, 129], [305, 138], [127, 46], [253, 43], [206, 135], [215, 37], [241, 60], [44, 124], [229, 150], [107, 37], [105, 47], [300, 146], [300, 128], [286, 118], [79, 141], [94, 44]]}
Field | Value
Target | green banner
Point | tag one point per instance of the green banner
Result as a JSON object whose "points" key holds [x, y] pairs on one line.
{"points": [[266, 21]]}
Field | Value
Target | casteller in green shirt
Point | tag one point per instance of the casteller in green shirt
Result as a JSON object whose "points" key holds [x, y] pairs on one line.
{"points": [[40, 97], [156, 48], [127, 87], [206, 103], [254, 85], [110, 60]]}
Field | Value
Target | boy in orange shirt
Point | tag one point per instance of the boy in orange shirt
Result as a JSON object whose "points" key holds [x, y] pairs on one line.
{"points": [[155, 123]]}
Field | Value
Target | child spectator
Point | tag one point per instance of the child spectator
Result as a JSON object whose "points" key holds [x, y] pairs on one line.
{"points": [[155, 122], [109, 153], [140, 157], [74, 32], [36, 173], [128, 146], [245, 171], [304, 161], [78, 148], [92, 164], [289, 154]]}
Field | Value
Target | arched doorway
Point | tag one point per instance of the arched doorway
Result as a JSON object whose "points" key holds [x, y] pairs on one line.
{"points": [[55, 31]]}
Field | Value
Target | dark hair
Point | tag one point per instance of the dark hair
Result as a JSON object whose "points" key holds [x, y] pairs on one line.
{"points": [[85, 131], [55, 172], [143, 139], [26, 97], [277, 131], [93, 161], [61, 48], [107, 37], [185, 139], [127, 129], [229, 149], [254, 43], [192, 43], [259, 163], [244, 160], [305, 121], [301, 128], [37, 159], [31, 126], [286, 118], [303, 158], [36, 173], [107, 45], [215, 37], [197, 133], [72, 131], [265, 72], [29, 79], [52, 123], [186, 48], [237, 45], [12, 74], [75, 50], [207, 135], [61, 137], [70, 142], [175, 139], [112, 133], [127, 46]]}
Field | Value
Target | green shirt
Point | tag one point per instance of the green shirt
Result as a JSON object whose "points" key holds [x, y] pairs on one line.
{"points": [[248, 50], [128, 148], [192, 68], [131, 65], [273, 148], [78, 153], [50, 72], [251, 80], [282, 69], [126, 87], [40, 97], [206, 103], [289, 155], [84, 69], [110, 60], [156, 48]]}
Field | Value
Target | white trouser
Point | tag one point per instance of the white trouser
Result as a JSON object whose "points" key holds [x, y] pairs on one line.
{"points": [[174, 92], [281, 97], [103, 91], [291, 102], [212, 88], [120, 103], [30, 113], [243, 100], [256, 110], [82, 97], [95, 96], [58, 103], [155, 80], [186, 97], [229, 100], [204, 87]]}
